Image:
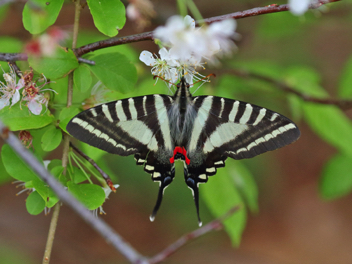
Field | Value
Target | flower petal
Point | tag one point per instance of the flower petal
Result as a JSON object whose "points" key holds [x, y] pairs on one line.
{"points": [[3, 103], [298, 7], [15, 97], [35, 107], [147, 58]]}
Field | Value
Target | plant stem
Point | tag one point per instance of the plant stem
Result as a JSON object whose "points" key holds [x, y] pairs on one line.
{"points": [[66, 142], [51, 234]]}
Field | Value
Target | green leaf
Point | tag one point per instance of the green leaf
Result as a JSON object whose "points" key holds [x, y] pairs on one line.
{"points": [[109, 16], [51, 139], [53, 163], [82, 78], [35, 203], [15, 166], [77, 175], [21, 119], [115, 71], [220, 195], [57, 172], [244, 183], [66, 115], [56, 66], [38, 15], [345, 87], [331, 124], [336, 180], [328, 121], [45, 192], [91, 195]]}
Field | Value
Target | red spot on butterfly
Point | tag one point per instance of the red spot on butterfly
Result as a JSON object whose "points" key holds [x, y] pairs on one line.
{"points": [[183, 152]]}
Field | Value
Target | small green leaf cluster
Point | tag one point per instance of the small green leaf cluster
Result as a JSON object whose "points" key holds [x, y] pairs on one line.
{"points": [[113, 70]]}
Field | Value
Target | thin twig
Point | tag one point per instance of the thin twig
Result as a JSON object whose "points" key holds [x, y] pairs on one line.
{"points": [[96, 223], [51, 234], [105, 176], [213, 225], [149, 35], [341, 103], [86, 61], [262, 11]]}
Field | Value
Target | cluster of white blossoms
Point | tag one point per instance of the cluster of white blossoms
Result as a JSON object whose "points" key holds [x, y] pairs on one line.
{"points": [[32, 94], [186, 47], [299, 7]]}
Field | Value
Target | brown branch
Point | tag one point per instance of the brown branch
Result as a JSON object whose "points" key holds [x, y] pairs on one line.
{"points": [[341, 103], [13, 57], [105, 176], [213, 225], [262, 11], [149, 35]]}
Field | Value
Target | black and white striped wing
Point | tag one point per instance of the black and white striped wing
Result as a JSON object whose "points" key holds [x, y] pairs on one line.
{"points": [[136, 125], [228, 128]]}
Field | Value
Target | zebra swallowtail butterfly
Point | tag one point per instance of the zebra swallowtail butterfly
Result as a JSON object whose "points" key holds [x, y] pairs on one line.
{"points": [[202, 131]]}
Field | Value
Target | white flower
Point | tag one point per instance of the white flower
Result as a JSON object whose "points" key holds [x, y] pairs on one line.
{"points": [[35, 97], [10, 90], [220, 34], [163, 67], [299, 7], [35, 103], [185, 40]]}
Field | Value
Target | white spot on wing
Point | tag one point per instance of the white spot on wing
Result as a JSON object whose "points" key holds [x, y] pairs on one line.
{"points": [[199, 122], [210, 170], [132, 108], [273, 117], [90, 128], [260, 116], [77, 120], [94, 113], [247, 114], [220, 162], [140, 132], [222, 106], [106, 112], [241, 150], [119, 111], [223, 134], [148, 167], [144, 109], [113, 142], [202, 176], [234, 111], [156, 174], [163, 119]]}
